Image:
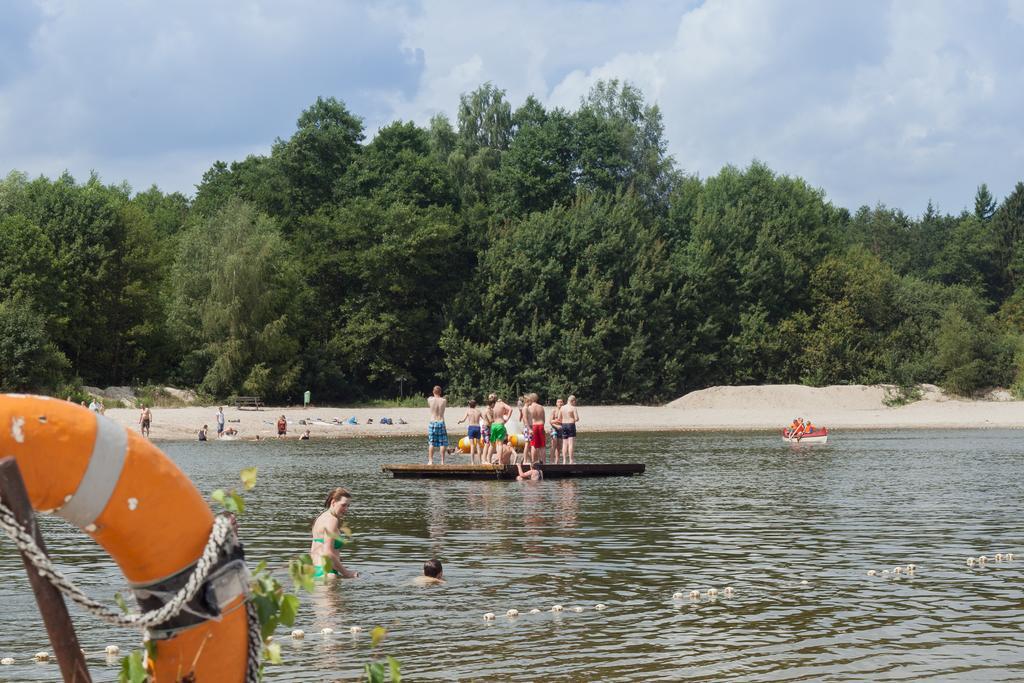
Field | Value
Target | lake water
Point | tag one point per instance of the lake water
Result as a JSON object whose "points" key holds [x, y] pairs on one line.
{"points": [[713, 510]]}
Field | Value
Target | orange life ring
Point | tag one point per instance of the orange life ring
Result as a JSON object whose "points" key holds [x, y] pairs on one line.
{"points": [[131, 499]]}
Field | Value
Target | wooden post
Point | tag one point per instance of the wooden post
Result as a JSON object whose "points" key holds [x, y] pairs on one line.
{"points": [[51, 602]]}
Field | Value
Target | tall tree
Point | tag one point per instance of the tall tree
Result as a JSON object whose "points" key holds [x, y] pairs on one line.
{"points": [[984, 203], [235, 281], [317, 154]]}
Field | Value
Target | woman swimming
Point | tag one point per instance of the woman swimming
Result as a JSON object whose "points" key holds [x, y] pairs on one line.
{"points": [[327, 538]]}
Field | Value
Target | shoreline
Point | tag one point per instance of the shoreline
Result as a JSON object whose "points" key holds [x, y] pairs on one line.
{"points": [[182, 424]]}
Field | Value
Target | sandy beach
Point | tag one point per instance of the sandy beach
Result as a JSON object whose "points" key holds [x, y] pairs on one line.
{"points": [[758, 408]]}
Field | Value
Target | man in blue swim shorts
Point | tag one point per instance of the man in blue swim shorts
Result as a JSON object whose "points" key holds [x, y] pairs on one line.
{"points": [[437, 433], [472, 416]]}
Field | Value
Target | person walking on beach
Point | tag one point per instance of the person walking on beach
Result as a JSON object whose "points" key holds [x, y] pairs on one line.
{"points": [[472, 416], [570, 417], [327, 537], [282, 427], [437, 433], [220, 421], [535, 421], [145, 419], [556, 431]]}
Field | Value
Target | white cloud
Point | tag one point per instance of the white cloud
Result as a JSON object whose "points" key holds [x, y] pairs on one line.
{"points": [[892, 101]]}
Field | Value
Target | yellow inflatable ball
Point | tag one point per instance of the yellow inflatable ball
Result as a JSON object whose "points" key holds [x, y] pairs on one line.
{"points": [[514, 440], [464, 444]]}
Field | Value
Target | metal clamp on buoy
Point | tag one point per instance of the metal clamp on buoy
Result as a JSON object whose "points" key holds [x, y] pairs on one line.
{"points": [[227, 580]]}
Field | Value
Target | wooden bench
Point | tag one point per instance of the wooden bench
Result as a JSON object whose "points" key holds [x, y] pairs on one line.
{"points": [[241, 402]]}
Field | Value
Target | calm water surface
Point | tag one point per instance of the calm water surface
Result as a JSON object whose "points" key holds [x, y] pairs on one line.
{"points": [[713, 510]]}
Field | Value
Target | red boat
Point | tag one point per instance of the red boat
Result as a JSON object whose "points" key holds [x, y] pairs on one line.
{"points": [[816, 435]]}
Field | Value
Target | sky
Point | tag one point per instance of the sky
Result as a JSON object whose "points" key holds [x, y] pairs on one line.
{"points": [[875, 101]]}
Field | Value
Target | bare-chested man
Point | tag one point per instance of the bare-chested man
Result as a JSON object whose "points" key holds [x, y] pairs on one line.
{"points": [[476, 444], [437, 433], [535, 420], [556, 431], [499, 412], [570, 417]]}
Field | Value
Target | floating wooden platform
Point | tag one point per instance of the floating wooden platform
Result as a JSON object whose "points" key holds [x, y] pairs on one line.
{"points": [[506, 472]]}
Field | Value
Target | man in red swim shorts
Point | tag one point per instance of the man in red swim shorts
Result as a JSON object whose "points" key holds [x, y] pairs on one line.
{"points": [[535, 419]]}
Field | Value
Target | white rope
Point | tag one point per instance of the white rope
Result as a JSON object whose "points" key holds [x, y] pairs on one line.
{"points": [[218, 536]]}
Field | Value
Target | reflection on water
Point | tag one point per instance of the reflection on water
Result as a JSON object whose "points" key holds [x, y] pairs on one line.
{"points": [[792, 530]]}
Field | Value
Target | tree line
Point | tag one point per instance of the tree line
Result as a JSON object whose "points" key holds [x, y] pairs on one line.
{"points": [[517, 249]]}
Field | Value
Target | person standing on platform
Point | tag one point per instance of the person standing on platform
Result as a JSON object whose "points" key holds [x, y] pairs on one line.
{"points": [[570, 417], [500, 412], [535, 420], [437, 433], [472, 416], [556, 432]]}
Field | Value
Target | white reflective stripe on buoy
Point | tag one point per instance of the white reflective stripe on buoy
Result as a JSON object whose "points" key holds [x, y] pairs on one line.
{"points": [[101, 475]]}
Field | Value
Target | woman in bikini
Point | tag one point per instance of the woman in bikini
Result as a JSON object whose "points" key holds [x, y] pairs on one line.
{"points": [[327, 537]]}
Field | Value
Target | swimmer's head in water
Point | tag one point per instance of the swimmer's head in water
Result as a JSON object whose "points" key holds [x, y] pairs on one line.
{"points": [[433, 569]]}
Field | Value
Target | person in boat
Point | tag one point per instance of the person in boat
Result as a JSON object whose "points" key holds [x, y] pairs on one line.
{"points": [[808, 427], [327, 537], [535, 473], [437, 432], [433, 573], [472, 416]]}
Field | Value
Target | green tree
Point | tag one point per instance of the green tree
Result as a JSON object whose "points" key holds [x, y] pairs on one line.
{"points": [[29, 360], [235, 280], [972, 353], [538, 170], [398, 166], [1008, 230], [317, 154], [380, 276], [574, 300], [984, 203], [621, 143]]}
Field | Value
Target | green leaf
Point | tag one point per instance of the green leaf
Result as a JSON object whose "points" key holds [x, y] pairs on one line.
{"points": [[377, 635], [133, 669], [273, 653], [248, 476], [218, 496], [396, 670], [268, 627], [239, 503], [119, 599], [289, 608], [375, 673]]}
